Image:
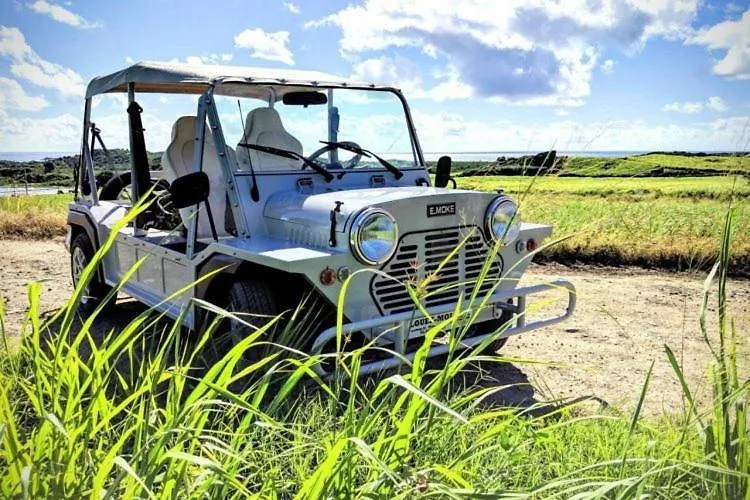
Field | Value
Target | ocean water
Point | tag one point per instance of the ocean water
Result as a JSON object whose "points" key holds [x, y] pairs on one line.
{"points": [[493, 155], [22, 190], [33, 155]]}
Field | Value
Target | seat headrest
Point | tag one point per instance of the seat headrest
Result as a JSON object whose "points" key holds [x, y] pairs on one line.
{"points": [[265, 119], [185, 125], [268, 117]]}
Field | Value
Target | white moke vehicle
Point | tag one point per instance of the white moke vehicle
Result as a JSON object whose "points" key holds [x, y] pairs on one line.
{"points": [[321, 179]]}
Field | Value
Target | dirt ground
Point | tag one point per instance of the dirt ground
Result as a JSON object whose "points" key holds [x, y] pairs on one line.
{"points": [[623, 320]]}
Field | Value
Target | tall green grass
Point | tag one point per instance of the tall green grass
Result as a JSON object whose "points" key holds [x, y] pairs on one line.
{"points": [[641, 164], [33, 217], [137, 413], [723, 187]]}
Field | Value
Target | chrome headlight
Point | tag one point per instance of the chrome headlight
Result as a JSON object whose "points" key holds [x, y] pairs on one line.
{"points": [[373, 236], [503, 220]]}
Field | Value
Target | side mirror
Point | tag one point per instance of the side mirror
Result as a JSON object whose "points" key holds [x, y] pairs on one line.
{"points": [[189, 190], [443, 172]]}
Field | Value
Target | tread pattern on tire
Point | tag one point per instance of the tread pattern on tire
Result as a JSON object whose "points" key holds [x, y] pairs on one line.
{"points": [[98, 289], [255, 297], [490, 326]]}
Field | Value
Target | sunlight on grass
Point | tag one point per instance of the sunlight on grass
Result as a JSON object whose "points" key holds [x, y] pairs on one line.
{"points": [[637, 188], [139, 413], [33, 217]]}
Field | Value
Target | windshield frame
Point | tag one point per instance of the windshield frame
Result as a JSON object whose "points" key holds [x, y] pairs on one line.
{"points": [[218, 87]]}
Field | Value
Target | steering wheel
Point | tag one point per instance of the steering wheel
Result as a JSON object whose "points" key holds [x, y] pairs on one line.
{"points": [[162, 214], [117, 188], [351, 163]]}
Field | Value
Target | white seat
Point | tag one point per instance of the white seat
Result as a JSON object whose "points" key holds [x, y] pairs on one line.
{"points": [[263, 126], [177, 161]]}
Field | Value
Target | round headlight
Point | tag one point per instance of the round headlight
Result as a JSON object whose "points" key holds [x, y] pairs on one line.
{"points": [[373, 236], [503, 220]]}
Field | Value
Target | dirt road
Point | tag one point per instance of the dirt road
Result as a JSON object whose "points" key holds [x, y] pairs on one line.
{"points": [[623, 320]]}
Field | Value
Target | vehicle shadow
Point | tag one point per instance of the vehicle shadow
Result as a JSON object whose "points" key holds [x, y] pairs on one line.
{"points": [[110, 321], [504, 384]]}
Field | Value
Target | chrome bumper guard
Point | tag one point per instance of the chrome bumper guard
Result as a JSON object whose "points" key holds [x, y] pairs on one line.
{"points": [[403, 321]]}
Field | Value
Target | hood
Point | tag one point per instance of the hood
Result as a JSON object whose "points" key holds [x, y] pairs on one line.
{"points": [[413, 207]]}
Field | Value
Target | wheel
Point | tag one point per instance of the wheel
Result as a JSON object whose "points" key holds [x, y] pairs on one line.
{"points": [[490, 326], [254, 302], [81, 254]]}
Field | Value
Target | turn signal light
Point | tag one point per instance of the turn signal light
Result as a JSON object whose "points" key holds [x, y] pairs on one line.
{"points": [[328, 276], [531, 244]]}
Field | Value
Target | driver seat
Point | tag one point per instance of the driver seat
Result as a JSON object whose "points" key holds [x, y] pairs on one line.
{"points": [[177, 161], [263, 126]]}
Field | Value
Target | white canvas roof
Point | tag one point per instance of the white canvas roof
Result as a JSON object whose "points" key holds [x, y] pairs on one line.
{"points": [[194, 78]]}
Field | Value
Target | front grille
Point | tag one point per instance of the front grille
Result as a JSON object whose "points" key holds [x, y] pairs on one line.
{"points": [[419, 256]]}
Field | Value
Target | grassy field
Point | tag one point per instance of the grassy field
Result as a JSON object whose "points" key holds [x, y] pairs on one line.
{"points": [[638, 165], [647, 165], [655, 222], [715, 187], [137, 414], [33, 217], [671, 223]]}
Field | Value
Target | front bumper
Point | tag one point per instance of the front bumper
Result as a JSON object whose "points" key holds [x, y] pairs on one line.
{"points": [[402, 324]]}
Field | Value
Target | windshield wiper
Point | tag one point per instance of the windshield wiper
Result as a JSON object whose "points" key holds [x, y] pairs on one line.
{"points": [[369, 154], [284, 153]]}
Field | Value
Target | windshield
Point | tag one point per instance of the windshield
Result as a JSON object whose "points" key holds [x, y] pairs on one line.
{"points": [[361, 127]]}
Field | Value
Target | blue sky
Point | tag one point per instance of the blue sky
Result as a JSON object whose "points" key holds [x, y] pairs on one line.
{"points": [[481, 75]]}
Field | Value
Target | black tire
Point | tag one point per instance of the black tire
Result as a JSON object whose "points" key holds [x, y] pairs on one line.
{"points": [[490, 326], [81, 254], [255, 303]]}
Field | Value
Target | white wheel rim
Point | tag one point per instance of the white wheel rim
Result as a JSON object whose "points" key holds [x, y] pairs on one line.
{"points": [[79, 264]]}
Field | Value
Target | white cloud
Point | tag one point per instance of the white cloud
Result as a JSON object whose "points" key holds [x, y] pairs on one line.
{"points": [[272, 46], [498, 48], [118, 100], [62, 15], [732, 8], [562, 112], [290, 7], [13, 96], [398, 72], [437, 132], [28, 65], [454, 133], [450, 88], [717, 104], [713, 103], [13, 44], [61, 133], [607, 66], [684, 107], [732, 38], [403, 74], [208, 59]]}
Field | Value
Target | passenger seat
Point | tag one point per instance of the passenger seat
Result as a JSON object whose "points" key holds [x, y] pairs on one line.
{"points": [[177, 161], [263, 127]]}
